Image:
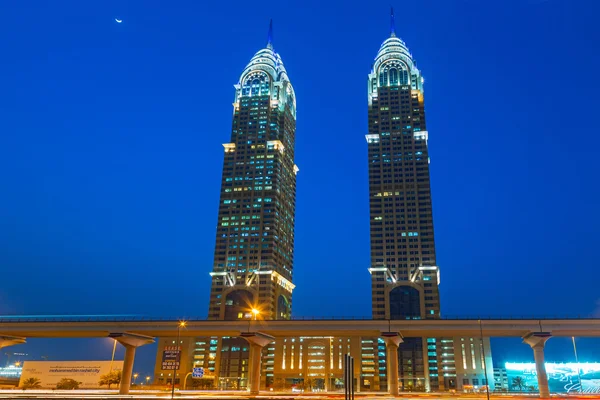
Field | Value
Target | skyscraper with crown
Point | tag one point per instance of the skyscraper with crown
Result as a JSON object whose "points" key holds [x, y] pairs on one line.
{"points": [[254, 251], [404, 273]]}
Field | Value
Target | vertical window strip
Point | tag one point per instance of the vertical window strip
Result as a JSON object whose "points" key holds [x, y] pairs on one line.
{"points": [[481, 354], [283, 358], [331, 353], [348, 346]]}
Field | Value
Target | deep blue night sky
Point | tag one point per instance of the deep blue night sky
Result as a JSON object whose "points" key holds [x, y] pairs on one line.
{"points": [[111, 154]]}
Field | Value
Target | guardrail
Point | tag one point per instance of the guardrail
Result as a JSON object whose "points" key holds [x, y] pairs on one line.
{"points": [[143, 318]]}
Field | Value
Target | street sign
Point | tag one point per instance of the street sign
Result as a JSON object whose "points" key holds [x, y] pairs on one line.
{"points": [[198, 372]]}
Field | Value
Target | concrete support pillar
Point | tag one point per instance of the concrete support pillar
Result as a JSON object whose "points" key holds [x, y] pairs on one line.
{"points": [[127, 372], [257, 341], [6, 341], [392, 341], [130, 341], [537, 341], [255, 366], [392, 368]]}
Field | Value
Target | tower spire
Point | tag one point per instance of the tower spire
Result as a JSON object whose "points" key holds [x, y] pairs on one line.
{"points": [[392, 23], [270, 35]]}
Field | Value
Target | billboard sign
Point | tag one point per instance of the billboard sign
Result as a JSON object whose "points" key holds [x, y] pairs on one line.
{"points": [[171, 357], [562, 377], [51, 372]]}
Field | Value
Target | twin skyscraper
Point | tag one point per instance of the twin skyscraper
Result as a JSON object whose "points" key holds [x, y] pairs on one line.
{"points": [[252, 275]]}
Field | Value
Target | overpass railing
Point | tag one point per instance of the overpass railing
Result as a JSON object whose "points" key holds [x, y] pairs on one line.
{"points": [[143, 318]]}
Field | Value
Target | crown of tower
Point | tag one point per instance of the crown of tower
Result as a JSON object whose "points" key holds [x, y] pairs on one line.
{"points": [[267, 66], [394, 65], [267, 60]]}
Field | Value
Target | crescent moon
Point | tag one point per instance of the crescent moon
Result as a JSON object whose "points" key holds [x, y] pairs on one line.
{"points": [[118, 20]]}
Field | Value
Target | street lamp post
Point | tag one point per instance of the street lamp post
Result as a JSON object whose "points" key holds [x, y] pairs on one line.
{"points": [[185, 380], [112, 360], [135, 377], [487, 378], [577, 362], [177, 357], [255, 312], [147, 380]]}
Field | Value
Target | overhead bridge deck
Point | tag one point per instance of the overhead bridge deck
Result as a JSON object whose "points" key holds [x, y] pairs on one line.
{"points": [[135, 332], [102, 327]]}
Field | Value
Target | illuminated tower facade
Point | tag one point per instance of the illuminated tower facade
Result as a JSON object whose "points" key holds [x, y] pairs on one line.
{"points": [[254, 251], [404, 273]]}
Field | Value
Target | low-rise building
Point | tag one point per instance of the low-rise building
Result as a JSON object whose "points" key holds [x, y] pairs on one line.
{"points": [[315, 363]]}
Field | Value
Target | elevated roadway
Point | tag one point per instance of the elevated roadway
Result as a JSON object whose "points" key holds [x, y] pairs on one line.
{"points": [[133, 333], [56, 328]]}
